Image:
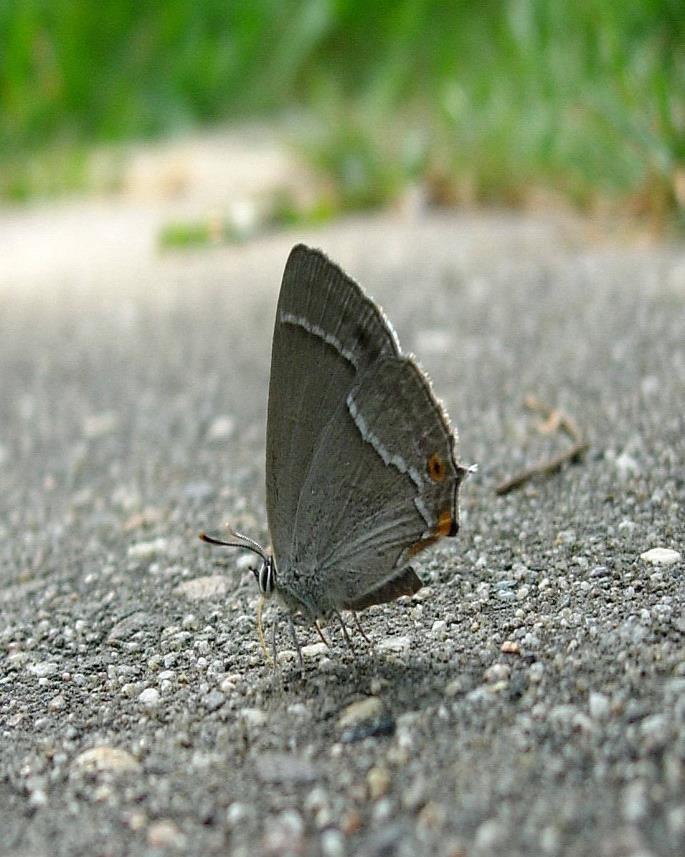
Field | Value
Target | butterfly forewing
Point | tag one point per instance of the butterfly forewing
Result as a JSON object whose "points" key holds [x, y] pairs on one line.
{"points": [[326, 332]]}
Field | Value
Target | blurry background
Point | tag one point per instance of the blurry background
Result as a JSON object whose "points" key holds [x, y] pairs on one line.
{"points": [[516, 102]]}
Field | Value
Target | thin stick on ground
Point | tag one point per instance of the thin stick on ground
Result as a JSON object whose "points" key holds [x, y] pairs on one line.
{"points": [[554, 420]]}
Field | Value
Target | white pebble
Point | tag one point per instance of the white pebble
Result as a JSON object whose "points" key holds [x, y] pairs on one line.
{"points": [[599, 706], [396, 645], [358, 712], [221, 428], [145, 550], [211, 586], [332, 843], [253, 716], [149, 697], [661, 556], [314, 650]]}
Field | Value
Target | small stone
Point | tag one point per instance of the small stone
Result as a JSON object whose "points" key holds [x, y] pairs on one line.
{"points": [[378, 782], [432, 816], [165, 834], [38, 798], [661, 556], [365, 709], [135, 820], [283, 834], [600, 571], [314, 650], [599, 706], [43, 669], [253, 716], [105, 758], [214, 700], [439, 629], [332, 843], [149, 697], [236, 813], [145, 550], [56, 703], [98, 425], [497, 672], [198, 490], [634, 801], [221, 428], [212, 586], [285, 768], [127, 627], [351, 823], [489, 836], [626, 465], [510, 647], [655, 732], [394, 645]]}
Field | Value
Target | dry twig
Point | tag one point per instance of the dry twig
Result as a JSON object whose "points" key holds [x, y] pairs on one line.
{"points": [[554, 420]]}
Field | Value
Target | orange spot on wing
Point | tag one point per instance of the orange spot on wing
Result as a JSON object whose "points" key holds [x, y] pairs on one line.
{"points": [[437, 469], [446, 526]]}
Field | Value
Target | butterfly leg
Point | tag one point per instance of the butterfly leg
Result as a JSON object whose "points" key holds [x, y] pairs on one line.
{"points": [[359, 627], [260, 631], [344, 632], [320, 633], [274, 630], [300, 659]]}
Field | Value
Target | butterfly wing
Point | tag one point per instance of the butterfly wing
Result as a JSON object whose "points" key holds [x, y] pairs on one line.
{"points": [[382, 486], [326, 332]]}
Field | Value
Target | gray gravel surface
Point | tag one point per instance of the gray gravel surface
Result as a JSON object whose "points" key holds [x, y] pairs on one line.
{"points": [[529, 700]]}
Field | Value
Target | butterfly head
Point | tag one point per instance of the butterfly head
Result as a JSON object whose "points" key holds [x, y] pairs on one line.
{"points": [[265, 575]]}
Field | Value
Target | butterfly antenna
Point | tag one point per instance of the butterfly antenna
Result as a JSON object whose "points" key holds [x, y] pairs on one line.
{"points": [[239, 541]]}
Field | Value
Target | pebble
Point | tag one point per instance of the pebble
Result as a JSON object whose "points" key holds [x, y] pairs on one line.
{"points": [[214, 700], [98, 425], [283, 834], [253, 716], [145, 550], [236, 813], [212, 586], [314, 650], [365, 709], [198, 490], [57, 702], [127, 627], [165, 834], [490, 835], [497, 672], [149, 697], [634, 805], [626, 465], [510, 647], [661, 556], [221, 428], [105, 758], [333, 843], [378, 782], [439, 629], [394, 645], [42, 669], [273, 767], [599, 706]]}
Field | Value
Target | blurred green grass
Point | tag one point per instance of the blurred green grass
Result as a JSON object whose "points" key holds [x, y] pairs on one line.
{"points": [[480, 101]]}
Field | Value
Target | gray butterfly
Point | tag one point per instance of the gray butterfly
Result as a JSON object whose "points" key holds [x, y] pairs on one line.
{"points": [[361, 473]]}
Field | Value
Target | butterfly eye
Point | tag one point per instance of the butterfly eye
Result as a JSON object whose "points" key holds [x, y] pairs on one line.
{"points": [[437, 470]]}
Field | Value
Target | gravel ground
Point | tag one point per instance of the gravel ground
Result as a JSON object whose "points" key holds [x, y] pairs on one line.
{"points": [[529, 700]]}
